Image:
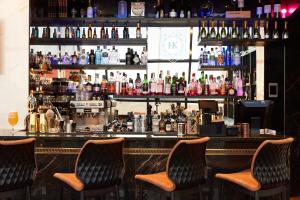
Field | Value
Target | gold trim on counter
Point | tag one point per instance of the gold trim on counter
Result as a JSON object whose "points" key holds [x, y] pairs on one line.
{"points": [[146, 151]]}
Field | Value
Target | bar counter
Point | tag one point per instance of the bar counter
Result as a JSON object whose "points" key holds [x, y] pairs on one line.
{"points": [[143, 153]]}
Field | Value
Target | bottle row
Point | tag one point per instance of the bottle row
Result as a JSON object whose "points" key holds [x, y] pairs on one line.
{"points": [[208, 31], [94, 57], [220, 56], [77, 32], [120, 84], [160, 8]]}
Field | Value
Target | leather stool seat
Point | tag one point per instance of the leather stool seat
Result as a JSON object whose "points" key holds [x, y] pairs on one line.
{"points": [[160, 180], [71, 180]]}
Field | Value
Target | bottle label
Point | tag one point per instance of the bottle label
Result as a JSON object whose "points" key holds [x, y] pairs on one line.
{"points": [[152, 87], [180, 89], [168, 89], [259, 11], [168, 127], [267, 9], [96, 89], [277, 8]]}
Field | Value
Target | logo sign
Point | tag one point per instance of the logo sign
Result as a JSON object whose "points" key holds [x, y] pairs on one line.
{"points": [[174, 44]]}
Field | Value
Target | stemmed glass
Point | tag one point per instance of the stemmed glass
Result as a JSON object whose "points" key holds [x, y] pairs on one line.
{"points": [[13, 119]]}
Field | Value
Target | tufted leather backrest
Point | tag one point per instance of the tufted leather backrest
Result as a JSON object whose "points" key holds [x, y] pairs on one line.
{"points": [[17, 164], [271, 163], [186, 164], [100, 163]]}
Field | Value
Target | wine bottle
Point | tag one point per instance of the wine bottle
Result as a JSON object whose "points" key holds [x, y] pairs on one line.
{"points": [[246, 34], [102, 32], [277, 7], [285, 34], [234, 34], [90, 32], [203, 33], [223, 31], [267, 8], [256, 34], [267, 31], [212, 30], [259, 9], [276, 32]]}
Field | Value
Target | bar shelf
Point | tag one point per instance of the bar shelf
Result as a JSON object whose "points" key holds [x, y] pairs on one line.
{"points": [[100, 67], [131, 22], [221, 68], [97, 41], [239, 42]]}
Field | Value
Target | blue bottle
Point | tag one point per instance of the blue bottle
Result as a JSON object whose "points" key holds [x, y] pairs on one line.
{"points": [[98, 56], [228, 56], [122, 9]]}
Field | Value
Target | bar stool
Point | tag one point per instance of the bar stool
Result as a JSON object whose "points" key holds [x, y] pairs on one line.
{"points": [[186, 168], [99, 169], [17, 168], [270, 171]]}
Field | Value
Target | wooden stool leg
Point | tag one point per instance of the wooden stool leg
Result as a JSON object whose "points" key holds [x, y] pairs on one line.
{"points": [[173, 196], [117, 192], [82, 195], [28, 193], [221, 192], [256, 196]]}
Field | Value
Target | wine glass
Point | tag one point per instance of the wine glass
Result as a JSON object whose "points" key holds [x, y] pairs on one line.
{"points": [[13, 119]]}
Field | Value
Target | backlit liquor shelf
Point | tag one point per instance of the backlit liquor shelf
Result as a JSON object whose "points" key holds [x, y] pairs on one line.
{"points": [[80, 41], [239, 42], [131, 22], [100, 67]]}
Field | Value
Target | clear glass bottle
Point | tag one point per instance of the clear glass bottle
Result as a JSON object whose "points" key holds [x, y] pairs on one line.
{"points": [[152, 84], [98, 56], [160, 84], [105, 56], [144, 56], [168, 84], [90, 11], [82, 58]]}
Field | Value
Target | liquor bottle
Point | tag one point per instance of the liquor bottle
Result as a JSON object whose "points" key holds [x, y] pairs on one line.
{"points": [[241, 4], [181, 10], [168, 84], [130, 88], [78, 32], [73, 33], [246, 34], [203, 33], [239, 88], [124, 84], [259, 9], [138, 31], [211, 57], [117, 33], [168, 124], [102, 32], [172, 9], [175, 82], [125, 32], [218, 36], [256, 34], [111, 84], [122, 9], [277, 8], [92, 57], [193, 85], [157, 9], [118, 83], [128, 60], [74, 58], [95, 34], [228, 56], [82, 58], [220, 59], [104, 84], [206, 86], [138, 85], [96, 86], [54, 34], [145, 85], [90, 32], [113, 32], [136, 59], [144, 56], [36, 31], [105, 56], [48, 32], [234, 33], [268, 8], [98, 56], [160, 84], [67, 32], [205, 57], [106, 33], [236, 57], [32, 33], [181, 85], [223, 31], [276, 32], [267, 31], [129, 122], [223, 86], [213, 31], [206, 9], [189, 10], [83, 36], [285, 34], [162, 124], [152, 84], [90, 11]]}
